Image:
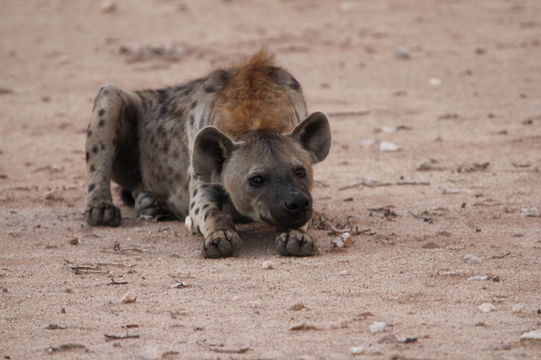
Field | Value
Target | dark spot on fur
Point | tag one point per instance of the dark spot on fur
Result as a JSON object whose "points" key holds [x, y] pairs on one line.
{"points": [[101, 112], [94, 149], [102, 146], [198, 229], [209, 89], [87, 156], [196, 211], [194, 104], [294, 84], [162, 95], [223, 76], [178, 177], [192, 204], [206, 216], [101, 123], [165, 148], [192, 120], [174, 154], [89, 133], [92, 168], [194, 193], [205, 206], [91, 187]]}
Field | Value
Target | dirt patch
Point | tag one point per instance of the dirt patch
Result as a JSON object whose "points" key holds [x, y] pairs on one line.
{"points": [[434, 171]]}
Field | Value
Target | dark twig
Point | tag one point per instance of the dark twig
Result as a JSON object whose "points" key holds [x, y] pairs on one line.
{"points": [[219, 348]]}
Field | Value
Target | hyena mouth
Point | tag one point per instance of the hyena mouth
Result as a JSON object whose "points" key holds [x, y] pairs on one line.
{"points": [[288, 223]]}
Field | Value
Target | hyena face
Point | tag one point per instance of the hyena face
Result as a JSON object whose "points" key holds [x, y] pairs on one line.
{"points": [[267, 176]]}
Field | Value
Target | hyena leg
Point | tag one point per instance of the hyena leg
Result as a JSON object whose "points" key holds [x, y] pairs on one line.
{"points": [[217, 228], [295, 242], [112, 128]]}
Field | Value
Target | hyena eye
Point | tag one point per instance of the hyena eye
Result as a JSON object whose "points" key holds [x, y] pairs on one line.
{"points": [[257, 180], [300, 172]]}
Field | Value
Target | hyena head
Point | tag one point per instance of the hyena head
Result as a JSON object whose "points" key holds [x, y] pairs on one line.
{"points": [[268, 176]]}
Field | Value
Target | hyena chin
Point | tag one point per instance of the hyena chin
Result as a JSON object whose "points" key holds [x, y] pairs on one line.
{"points": [[234, 146]]}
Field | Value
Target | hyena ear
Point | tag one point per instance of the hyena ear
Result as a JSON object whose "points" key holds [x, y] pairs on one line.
{"points": [[314, 135], [211, 149]]}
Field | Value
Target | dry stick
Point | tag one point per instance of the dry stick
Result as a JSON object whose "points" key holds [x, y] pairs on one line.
{"points": [[120, 337], [349, 113], [378, 184], [210, 347]]}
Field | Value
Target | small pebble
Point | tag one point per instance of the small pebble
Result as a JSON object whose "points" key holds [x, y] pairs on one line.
{"points": [[517, 308], [298, 307], [388, 146], [366, 143], [434, 81], [74, 241], [486, 307], [478, 278], [377, 326], [344, 273], [534, 335], [388, 339], [108, 6], [472, 259], [267, 265], [357, 350], [402, 53], [128, 298], [150, 353], [343, 240]]}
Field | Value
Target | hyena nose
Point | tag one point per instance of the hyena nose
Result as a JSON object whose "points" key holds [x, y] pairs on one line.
{"points": [[297, 204]]}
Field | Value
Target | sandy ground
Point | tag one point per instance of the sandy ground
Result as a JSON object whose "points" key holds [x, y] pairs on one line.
{"points": [[452, 83]]}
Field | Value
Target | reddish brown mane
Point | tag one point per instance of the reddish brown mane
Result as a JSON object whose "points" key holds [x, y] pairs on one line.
{"points": [[252, 100]]}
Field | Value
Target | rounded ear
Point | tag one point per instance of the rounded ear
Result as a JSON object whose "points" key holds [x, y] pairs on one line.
{"points": [[314, 135], [210, 151]]}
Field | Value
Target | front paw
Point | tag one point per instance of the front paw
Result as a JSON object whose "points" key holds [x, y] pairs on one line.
{"points": [[295, 243], [222, 243], [146, 206], [102, 214]]}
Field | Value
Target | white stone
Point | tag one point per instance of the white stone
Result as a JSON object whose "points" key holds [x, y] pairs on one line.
{"points": [[108, 6], [472, 259], [388, 146], [377, 326], [357, 350], [435, 81], [478, 278], [486, 307], [343, 240], [517, 308], [267, 265], [366, 143], [150, 353], [128, 298], [388, 129], [531, 335], [344, 273]]}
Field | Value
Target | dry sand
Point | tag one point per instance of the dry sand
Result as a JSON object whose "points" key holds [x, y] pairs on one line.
{"points": [[464, 91]]}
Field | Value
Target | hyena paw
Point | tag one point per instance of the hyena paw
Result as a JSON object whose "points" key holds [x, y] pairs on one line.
{"points": [[222, 243], [295, 243], [146, 205], [102, 214]]}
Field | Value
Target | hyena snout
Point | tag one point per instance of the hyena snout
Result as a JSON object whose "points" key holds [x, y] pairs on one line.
{"points": [[293, 211], [296, 204]]}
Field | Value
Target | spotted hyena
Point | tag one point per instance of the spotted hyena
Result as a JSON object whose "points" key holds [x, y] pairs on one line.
{"points": [[236, 145]]}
